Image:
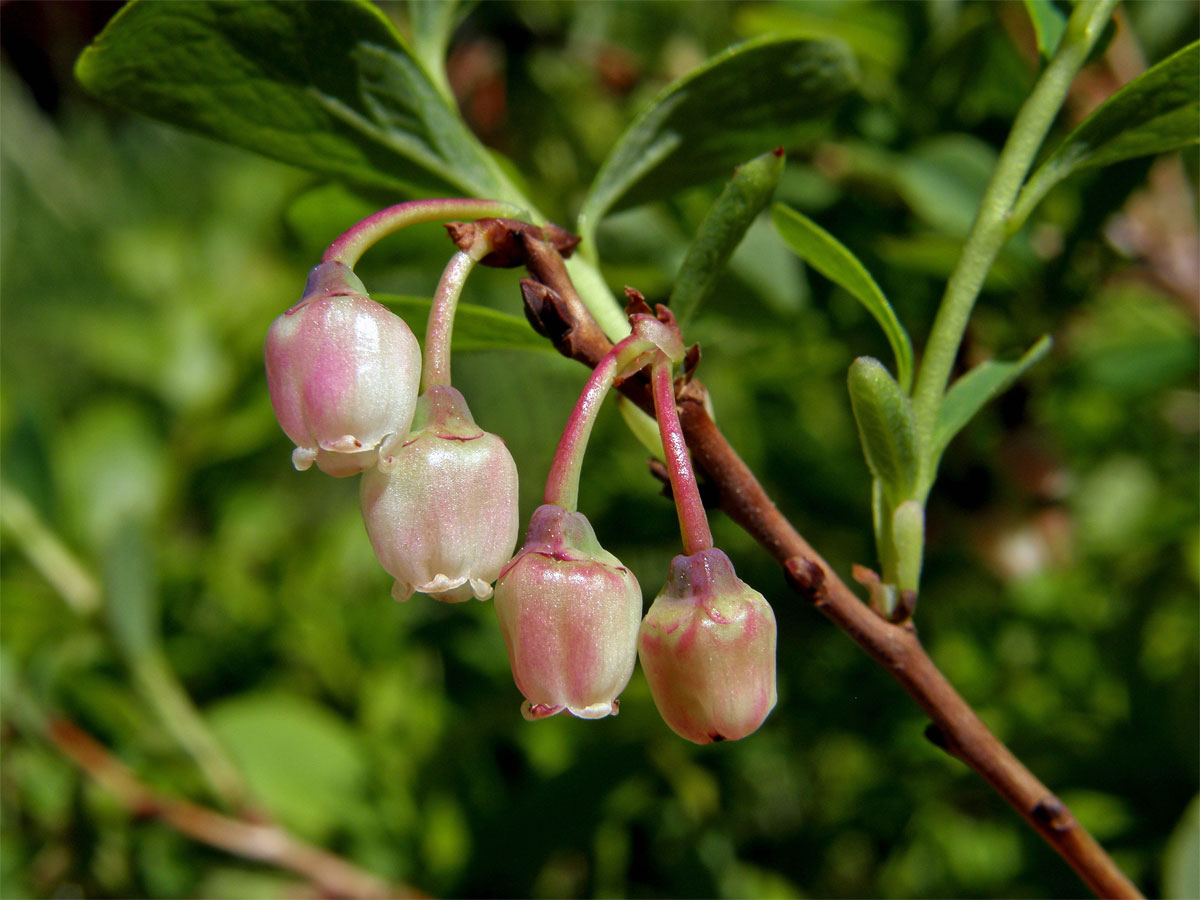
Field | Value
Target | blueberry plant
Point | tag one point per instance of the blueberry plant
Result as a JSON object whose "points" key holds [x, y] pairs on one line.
{"points": [[338, 90]]}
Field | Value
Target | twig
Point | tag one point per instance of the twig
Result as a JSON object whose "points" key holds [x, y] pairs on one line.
{"points": [[555, 310], [264, 843]]}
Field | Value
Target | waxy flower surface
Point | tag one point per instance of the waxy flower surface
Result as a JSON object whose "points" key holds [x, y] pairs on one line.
{"points": [[707, 647], [441, 508], [343, 373], [569, 613]]}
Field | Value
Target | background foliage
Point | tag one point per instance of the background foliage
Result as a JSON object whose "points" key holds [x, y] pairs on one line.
{"points": [[150, 511]]}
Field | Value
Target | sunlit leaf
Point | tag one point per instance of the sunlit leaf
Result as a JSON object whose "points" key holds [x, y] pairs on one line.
{"points": [[300, 759], [829, 256], [432, 24], [746, 100], [330, 87]]}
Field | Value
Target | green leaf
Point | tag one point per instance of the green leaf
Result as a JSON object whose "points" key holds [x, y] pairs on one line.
{"points": [[433, 22], [304, 762], [329, 87], [743, 198], [885, 425], [1156, 112], [1049, 23], [1181, 863], [829, 256], [968, 395], [748, 98], [475, 327]]}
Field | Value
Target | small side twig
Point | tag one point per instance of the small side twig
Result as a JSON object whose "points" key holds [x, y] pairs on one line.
{"points": [[561, 317], [269, 844]]}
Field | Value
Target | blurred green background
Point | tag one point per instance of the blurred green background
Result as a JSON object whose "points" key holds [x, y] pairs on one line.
{"points": [[155, 534]]}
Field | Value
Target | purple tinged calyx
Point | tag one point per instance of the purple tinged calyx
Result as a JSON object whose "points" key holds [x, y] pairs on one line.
{"points": [[563, 535], [442, 412], [705, 579], [331, 279]]}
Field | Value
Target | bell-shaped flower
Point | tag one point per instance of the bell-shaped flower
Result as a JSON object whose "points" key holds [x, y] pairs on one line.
{"points": [[343, 373], [569, 613], [441, 507], [707, 647]]}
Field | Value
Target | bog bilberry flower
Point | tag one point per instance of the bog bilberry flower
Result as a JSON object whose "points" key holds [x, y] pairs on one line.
{"points": [[707, 647], [569, 613], [342, 371], [707, 644], [441, 507]]}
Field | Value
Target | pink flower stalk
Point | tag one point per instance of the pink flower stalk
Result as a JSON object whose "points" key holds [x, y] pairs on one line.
{"points": [[441, 508], [569, 613], [343, 373], [707, 647]]}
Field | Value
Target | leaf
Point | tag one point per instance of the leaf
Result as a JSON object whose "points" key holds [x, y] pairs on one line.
{"points": [[1049, 23], [1181, 863], [876, 33], [433, 23], [475, 327], [329, 87], [970, 392], [1156, 112], [303, 761], [827, 255], [737, 206], [885, 425], [746, 99]]}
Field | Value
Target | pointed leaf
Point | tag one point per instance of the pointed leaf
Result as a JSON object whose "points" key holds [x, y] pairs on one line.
{"points": [[968, 395], [746, 99], [330, 87], [1049, 23], [829, 256], [1156, 112], [475, 327], [433, 22], [885, 425], [723, 228]]}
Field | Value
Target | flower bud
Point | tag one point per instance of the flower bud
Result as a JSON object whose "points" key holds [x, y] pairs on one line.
{"points": [[707, 647], [569, 614], [343, 373], [441, 508]]}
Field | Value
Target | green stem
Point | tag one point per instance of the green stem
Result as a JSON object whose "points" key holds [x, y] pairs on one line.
{"points": [[990, 230]]}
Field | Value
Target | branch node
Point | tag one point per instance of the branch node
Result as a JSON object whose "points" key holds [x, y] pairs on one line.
{"points": [[934, 734], [1051, 812], [506, 238], [806, 578]]}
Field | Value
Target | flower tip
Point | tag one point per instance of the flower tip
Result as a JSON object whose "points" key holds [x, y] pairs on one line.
{"points": [[401, 591], [303, 457], [534, 711], [596, 710]]}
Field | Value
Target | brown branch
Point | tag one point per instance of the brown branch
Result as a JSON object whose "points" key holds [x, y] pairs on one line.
{"points": [[263, 843], [555, 309]]}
